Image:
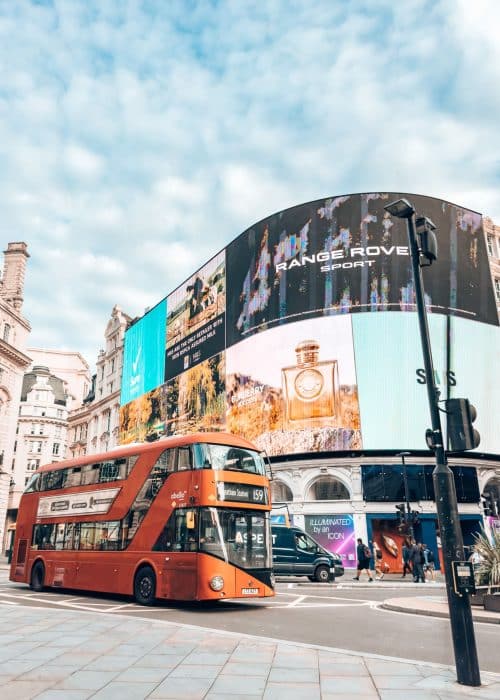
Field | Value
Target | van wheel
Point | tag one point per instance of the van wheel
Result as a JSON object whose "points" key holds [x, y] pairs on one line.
{"points": [[322, 574], [37, 577], [145, 586]]}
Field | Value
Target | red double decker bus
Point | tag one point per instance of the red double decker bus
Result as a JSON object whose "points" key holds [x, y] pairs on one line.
{"points": [[184, 518]]}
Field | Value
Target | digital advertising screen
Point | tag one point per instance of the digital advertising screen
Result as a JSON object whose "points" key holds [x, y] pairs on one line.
{"points": [[196, 318], [303, 336], [335, 533], [144, 354]]}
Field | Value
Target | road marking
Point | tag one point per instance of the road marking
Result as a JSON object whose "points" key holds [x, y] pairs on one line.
{"points": [[297, 601]]}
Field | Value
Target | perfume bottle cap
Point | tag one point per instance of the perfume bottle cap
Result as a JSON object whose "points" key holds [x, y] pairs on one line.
{"points": [[307, 352]]}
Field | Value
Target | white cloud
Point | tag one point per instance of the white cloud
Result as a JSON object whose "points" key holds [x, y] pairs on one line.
{"points": [[136, 140]]}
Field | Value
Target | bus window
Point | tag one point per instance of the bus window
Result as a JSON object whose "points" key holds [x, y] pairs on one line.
{"points": [[237, 536], [180, 534], [74, 476], [109, 471], [87, 535], [44, 536], [55, 479], [90, 474], [221, 457], [68, 536], [59, 537], [33, 484], [183, 458], [107, 535]]}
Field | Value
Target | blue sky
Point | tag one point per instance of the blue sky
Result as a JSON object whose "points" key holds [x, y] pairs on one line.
{"points": [[139, 138]]}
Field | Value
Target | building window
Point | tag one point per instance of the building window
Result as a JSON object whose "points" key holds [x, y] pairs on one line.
{"points": [[55, 449], [59, 413], [36, 446], [326, 488], [280, 492], [497, 289], [33, 464], [490, 243], [6, 332]]}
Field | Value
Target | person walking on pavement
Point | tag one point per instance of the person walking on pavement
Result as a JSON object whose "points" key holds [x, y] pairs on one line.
{"points": [[377, 560], [418, 562], [406, 558], [429, 562], [364, 555]]}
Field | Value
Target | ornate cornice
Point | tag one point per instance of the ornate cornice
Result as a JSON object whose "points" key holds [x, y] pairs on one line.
{"points": [[15, 355]]}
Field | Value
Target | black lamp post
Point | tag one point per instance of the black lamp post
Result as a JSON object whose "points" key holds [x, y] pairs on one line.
{"points": [[462, 629], [409, 519]]}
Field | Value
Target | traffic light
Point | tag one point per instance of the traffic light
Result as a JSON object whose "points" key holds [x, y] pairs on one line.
{"points": [[460, 416]]}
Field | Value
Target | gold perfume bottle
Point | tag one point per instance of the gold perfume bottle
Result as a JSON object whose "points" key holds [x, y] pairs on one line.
{"points": [[311, 389]]}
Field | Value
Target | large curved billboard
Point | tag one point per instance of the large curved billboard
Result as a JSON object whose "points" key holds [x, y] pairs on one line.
{"points": [[289, 336]]}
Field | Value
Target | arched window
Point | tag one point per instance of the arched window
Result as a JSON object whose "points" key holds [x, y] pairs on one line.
{"points": [[326, 488], [6, 332], [280, 492]]}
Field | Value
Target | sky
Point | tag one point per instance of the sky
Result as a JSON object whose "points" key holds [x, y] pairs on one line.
{"points": [[137, 139]]}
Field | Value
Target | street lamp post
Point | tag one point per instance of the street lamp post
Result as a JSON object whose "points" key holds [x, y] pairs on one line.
{"points": [[462, 628], [409, 519]]}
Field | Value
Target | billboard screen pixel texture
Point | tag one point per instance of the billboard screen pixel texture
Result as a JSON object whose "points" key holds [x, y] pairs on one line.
{"points": [[302, 334]]}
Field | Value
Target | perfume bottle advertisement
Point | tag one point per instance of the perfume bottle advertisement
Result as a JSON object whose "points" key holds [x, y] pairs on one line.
{"points": [[348, 255], [196, 318], [293, 389]]}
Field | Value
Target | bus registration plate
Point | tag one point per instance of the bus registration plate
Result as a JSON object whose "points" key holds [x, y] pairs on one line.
{"points": [[249, 591]]}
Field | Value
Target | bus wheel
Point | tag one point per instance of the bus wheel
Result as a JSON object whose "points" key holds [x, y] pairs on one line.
{"points": [[37, 577], [322, 574], [145, 586]]}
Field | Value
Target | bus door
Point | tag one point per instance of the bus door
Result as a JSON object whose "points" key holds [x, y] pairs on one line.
{"points": [[180, 561]]}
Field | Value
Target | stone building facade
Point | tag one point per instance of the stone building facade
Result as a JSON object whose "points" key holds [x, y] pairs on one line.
{"points": [[14, 360], [94, 427]]}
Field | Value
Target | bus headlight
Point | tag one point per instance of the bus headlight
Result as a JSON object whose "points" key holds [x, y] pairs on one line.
{"points": [[216, 583], [272, 580]]}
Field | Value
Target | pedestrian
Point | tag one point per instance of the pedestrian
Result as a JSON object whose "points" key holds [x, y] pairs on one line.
{"points": [[406, 552], [364, 555], [429, 562], [377, 561], [418, 561]]}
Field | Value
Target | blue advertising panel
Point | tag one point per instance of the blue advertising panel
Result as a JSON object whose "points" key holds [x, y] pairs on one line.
{"points": [[144, 354], [475, 358], [391, 378]]}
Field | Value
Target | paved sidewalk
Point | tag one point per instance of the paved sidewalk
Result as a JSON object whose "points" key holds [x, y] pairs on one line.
{"points": [[74, 655], [436, 606]]}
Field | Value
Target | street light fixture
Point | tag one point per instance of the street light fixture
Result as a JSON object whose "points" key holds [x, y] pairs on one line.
{"points": [[462, 629]]}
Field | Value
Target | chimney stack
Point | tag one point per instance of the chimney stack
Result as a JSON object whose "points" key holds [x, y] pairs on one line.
{"points": [[14, 268]]}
